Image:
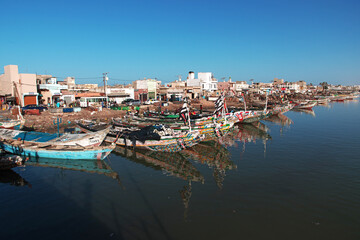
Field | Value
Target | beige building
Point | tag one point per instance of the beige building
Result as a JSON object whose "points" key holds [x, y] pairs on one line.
{"points": [[19, 87], [151, 85]]}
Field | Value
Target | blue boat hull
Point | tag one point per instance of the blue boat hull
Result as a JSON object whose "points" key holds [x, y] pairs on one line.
{"points": [[98, 154]]}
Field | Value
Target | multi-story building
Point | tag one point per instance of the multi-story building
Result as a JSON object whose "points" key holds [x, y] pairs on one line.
{"points": [[241, 86], [19, 88], [205, 81], [150, 85], [51, 91]]}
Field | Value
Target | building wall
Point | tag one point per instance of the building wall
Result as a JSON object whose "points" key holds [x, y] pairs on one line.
{"points": [[25, 83], [28, 83], [205, 76], [193, 82], [46, 96], [11, 74], [140, 84]]}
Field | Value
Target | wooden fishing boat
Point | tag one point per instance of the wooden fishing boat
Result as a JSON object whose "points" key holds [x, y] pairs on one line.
{"points": [[92, 126], [305, 105], [339, 98], [248, 116], [8, 162], [12, 124], [283, 108], [41, 138], [306, 111], [156, 138], [36, 150]]}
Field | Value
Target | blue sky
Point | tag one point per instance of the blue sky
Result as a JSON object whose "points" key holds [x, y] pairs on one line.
{"points": [[313, 40]]}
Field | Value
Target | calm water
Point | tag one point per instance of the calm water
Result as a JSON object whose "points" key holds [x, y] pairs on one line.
{"points": [[290, 178]]}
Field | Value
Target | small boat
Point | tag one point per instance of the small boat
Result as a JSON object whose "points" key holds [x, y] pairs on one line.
{"points": [[12, 124], [156, 138], [91, 126], [305, 105], [338, 98], [210, 131], [306, 111], [8, 162], [41, 138], [36, 150]]}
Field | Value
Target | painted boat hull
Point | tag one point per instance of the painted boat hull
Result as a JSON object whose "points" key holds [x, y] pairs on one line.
{"points": [[98, 153], [163, 145], [89, 139]]}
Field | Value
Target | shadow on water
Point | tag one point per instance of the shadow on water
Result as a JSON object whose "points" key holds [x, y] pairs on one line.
{"points": [[13, 178]]}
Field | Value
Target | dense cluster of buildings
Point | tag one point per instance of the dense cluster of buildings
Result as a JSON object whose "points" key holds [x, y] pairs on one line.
{"points": [[25, 89]]}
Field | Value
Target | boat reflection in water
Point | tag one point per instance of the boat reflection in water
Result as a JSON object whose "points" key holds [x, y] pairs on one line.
{"points": [[246, 133], [306, 111], [172, 164], [13, 178], [280, 119], [89, 166], [215, 156]]}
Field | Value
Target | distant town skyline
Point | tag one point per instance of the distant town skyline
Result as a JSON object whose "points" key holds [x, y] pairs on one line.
{"points": [[314, 41]]}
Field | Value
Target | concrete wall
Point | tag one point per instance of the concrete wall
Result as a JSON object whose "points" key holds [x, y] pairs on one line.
{"points": [[205, 77], [193, 82], [25, 82], [28, 83]]}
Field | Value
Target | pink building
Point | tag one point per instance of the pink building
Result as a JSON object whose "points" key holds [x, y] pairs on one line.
{"points": [[18, 87]]}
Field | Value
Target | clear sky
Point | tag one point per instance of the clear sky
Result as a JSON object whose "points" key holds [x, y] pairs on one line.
{"points": [[315, 41]]}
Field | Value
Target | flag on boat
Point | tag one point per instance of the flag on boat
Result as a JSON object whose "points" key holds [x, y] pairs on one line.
{"points": [[184, 113], [219, 105]]}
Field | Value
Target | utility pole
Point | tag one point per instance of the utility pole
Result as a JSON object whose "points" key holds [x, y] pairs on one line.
{"points": [[105, 78]]}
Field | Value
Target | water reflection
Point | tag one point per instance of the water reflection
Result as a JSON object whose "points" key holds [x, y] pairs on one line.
{"points": [[173, 164], [246, 133], [306, 111], [215, 156], [280, 119], [13, 178], [89, 166]]}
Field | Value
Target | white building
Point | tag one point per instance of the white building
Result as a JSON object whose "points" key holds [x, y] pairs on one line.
{"points": [[205, 80], [191, 81], [54, 89], [119, 94], [241, 86]]}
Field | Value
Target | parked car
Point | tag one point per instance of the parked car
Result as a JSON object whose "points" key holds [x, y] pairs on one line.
{"points": [[150, 101], [134, 103], [34, 106], [126, 101]]}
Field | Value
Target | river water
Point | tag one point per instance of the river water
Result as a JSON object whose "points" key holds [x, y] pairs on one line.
{"points": [[293, 177]]}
